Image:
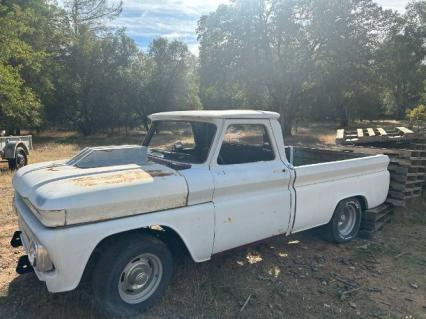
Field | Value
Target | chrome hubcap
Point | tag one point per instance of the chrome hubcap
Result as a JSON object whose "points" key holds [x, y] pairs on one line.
{"points": [[347, 219], [140, 278]]}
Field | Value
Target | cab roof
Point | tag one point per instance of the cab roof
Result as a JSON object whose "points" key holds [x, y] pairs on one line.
{"points": [[214, 114]]}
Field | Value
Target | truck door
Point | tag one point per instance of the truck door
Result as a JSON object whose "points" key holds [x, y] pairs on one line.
{"points": [[251, 195]]}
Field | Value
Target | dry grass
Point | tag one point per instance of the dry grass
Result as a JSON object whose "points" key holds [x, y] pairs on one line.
{"points": [[286, 277]]}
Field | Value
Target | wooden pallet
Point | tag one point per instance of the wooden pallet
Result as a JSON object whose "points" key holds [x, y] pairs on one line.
{"points": [[373, 220], [397, 169], [408, 173], [406, 194], [405, 183], [373, 135]]}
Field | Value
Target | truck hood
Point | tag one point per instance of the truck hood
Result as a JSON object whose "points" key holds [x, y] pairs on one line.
{"points": [[106, 184]]}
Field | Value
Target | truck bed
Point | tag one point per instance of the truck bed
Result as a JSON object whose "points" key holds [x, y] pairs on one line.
{"points": [[26, 139], [323, 177]]}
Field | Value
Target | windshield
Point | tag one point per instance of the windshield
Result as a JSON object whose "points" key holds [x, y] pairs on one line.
{"points": [[181, 141]]}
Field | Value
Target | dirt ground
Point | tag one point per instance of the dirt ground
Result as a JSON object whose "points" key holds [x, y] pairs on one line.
{"points": [[300, 276]]}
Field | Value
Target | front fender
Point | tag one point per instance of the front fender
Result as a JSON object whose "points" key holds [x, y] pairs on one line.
{"points": [[10, 149], [71, 247]]}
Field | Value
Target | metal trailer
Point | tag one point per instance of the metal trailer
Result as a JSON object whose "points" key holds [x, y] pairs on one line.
{"points": [[15, 150]]}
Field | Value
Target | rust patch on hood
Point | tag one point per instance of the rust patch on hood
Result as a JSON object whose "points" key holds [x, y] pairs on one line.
{"points": [[116, 178]]}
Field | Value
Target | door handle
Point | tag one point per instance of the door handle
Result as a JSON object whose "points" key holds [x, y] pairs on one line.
{"points": [[278, 171]]}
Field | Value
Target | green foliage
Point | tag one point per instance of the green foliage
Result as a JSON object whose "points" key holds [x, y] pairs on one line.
{"points": [[310, 60], [417, 115], [20, 62], [18, 104], [91, 14], [112, 84], [400, 58], [63, 67], [171, 83]]}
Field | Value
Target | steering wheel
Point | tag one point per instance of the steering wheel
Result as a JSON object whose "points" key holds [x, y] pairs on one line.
{"points": [[178, 147]]}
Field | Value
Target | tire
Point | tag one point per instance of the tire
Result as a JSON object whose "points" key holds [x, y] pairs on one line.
{"points": [[135, 259], [345, 223], [20, 159]]}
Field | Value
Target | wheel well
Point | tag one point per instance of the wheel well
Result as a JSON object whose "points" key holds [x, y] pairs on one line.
{"points": [[166, 234], [24, 147], [362, 201]]}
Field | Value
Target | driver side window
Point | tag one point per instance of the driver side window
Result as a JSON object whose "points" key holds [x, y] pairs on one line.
{"points": [[245, 143]]}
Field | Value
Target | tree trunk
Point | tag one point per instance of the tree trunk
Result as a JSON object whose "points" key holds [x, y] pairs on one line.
{"points": [[145, 123], [400, 104], [286, 121], [288, 125], [344, 116]]}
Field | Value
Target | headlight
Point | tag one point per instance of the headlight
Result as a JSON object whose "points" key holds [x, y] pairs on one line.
{"points": [[38, 257], [49, 218]]}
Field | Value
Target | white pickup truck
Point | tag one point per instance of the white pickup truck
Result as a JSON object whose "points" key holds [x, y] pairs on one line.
{"points": [[207, 181]]}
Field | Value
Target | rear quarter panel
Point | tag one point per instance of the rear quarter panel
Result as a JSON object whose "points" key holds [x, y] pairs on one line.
{"points": [[320, 187]]}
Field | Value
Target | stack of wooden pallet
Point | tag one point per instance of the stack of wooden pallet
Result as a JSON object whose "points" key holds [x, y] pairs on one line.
{"points": [[373, 220], [408, 174], [373, 135]]}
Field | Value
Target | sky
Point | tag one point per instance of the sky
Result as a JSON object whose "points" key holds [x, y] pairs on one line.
{"points": [[177, 19]]}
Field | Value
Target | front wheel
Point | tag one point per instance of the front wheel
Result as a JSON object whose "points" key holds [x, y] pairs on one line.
{"points": [[132, 274], [345, 223], [20, 159]]}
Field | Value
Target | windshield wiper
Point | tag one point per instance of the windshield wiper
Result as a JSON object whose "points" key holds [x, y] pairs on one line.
{"points": [[169, 163], [156, 152]]}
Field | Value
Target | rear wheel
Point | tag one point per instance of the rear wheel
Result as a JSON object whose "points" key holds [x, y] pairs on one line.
{"points": [[20, 159], [132, 274], [345, 223]]}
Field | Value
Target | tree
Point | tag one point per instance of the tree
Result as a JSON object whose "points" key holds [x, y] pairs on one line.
{"points": [[91, 13], [169, 78], [99, 70], [401, 57], [19, 104], [417, 115], [19, 107], [346, 36], [303, 59], [307, 59], [258, 51]]}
